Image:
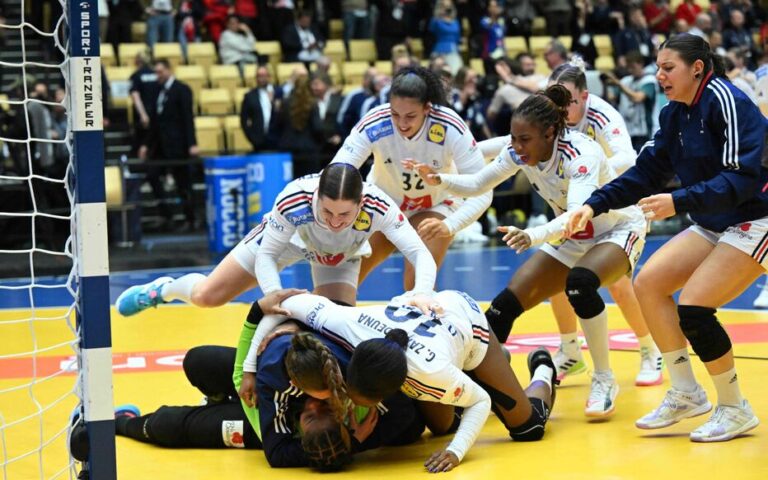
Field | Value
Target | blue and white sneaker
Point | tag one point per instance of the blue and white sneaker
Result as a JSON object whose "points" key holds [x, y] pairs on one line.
{"points": [[127, 410], [141, 297], [602, 395]]}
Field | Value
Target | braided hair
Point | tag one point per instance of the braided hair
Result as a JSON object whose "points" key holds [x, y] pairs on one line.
{"points": [[546, 108], [312, 366], [420, 84], [328, 449]]}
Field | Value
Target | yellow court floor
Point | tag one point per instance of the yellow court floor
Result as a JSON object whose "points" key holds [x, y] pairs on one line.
{"points": [[573, 447]]}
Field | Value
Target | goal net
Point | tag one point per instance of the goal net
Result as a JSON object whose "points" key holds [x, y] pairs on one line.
{"points": [[55, 343]]}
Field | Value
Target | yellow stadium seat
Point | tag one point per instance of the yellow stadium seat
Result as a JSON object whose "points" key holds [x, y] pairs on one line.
{"points": [[604, 63], [192, 75], [210, 136], [539, 44], [515, 45], [107, 55], [285, 70], [119, 82], [238, 97], [416, 46], [237, 142], [170, 52], [4, 102], [336, 28], [203, 54], [334, 49], [539, 26], [478, 65], [271, 49], [225, 76], [566, 40], [362, 51], [139, 32], [215, 101], [603, 44], [127, 52], [354, 72], [384, 66]]}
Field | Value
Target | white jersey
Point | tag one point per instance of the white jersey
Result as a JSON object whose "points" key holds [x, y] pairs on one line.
{"points": [[444, 142], [576, 168], [439, 349], [295, 219], [602, 123]]}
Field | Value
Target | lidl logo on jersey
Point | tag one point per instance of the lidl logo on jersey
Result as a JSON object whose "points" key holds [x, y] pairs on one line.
{"points": [[363, 222], [436, 133], [379, 131], [591, 132]]}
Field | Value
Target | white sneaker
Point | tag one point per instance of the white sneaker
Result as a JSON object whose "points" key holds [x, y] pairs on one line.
{"points": [[676, 406], [651, 366], [567, 364], [537, 220], [762, 300], [602, 395], [726, 423]]}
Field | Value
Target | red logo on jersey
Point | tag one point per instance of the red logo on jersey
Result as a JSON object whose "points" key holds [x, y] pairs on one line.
{"points": [[745, 227], [400, 217], [237, 438], [457, 392], [418, 203], [616, 131], [330, 260], [586, 234], [583, 169]]}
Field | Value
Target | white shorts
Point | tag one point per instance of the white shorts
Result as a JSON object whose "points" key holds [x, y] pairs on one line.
{"points": [[245, 254], [444, 208], [628, 234], [749, 237]]}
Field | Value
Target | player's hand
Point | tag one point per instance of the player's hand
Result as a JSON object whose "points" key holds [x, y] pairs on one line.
{"points": [[516, 239], [248, 389], [578, 220], [426, 304], [430, 228], [657, 207], [427, 173], [443, 461], [286, 328], [270, 303], [361, 431]]}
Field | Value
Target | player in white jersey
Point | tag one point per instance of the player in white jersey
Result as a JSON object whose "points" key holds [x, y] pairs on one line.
{"points": [[396, 346], [593, 116], [325, 219], [564, 167], [415, 125]]}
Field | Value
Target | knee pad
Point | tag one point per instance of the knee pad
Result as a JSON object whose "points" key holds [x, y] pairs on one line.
{"points": [[582, 287], [504, 309], [533, 428], [708, 338]]}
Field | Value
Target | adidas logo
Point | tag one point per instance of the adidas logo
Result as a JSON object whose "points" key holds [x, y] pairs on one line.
{"points": [[680, 360], [387, 161], [493, 310]]}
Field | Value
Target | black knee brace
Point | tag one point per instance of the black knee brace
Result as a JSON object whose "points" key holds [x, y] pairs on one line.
{"points": [[582, 286], [504, 309], [700, 326], [533, 428]]}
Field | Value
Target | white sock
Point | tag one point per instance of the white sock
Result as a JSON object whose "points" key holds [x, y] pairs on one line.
{"points": [[596, 332], [647, 342], [570, 343], [680, 371], [727, 385], [543, 373], [181, 288]]}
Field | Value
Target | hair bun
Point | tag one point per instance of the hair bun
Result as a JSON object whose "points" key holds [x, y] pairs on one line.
{"points": [[578, 62], [399, 336]]}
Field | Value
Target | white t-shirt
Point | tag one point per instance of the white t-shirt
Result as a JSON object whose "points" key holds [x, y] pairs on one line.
{"points": [[444, 142], [295, 218]]}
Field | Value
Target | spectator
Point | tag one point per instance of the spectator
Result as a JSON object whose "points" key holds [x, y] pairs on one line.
{"points": [[144, 90], [349, 111], [582, 42], [737, 77], [447, 31], [658, 16], [301, 42], [103, 20], [558, 16], [215, 14], [602, 19], [59, 132], [702, 26], [328, 102], [357, 23], [680, 26], [258, 115], [391, 27], [301, 129], [236, 43], [122, 13], [637, 98], [509, 95], [171, 137], [519, 15], [737, 36], [469, 104], [41, 123], [635, 37], [687, 11], [555, 54], [716, 43], [248, 13], [740, 69], [494, 30], [279, 16], [159, 22], [298, 72]]}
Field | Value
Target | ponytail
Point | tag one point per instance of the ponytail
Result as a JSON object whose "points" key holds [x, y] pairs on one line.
{"points": [[420, 84]]}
